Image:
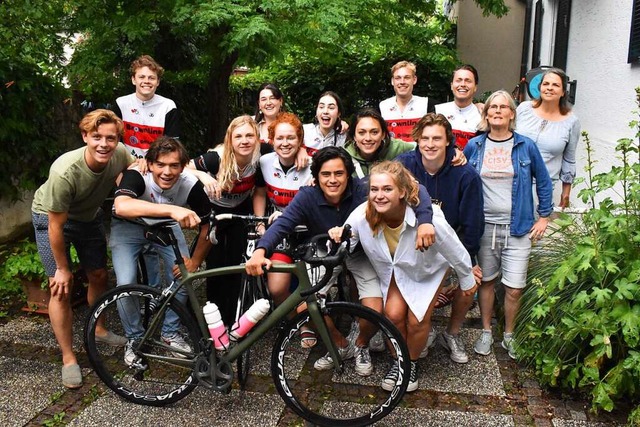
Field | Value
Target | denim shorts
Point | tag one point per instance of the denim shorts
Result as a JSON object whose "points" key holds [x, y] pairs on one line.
{"points": [[87, 237], [502, 253]]}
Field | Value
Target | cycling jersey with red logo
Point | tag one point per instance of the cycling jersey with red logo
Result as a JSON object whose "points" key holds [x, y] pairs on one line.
{"points": [[282, 186], [315, 140], [242, 188], [464, 121], [401, 123], [145, 121]]}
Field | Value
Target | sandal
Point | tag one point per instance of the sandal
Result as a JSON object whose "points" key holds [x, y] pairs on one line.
{"points": [[442, 300], [308, 338]]}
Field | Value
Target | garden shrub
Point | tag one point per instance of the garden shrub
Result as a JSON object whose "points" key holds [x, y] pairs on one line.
{"points": [[579, 323]]}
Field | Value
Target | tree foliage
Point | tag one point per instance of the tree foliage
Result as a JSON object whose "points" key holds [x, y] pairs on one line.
{"points": [[31, 58], [201, 42], [305, 45]]}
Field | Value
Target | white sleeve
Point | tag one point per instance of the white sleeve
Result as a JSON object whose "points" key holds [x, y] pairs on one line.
{"points": [[449, 246]]}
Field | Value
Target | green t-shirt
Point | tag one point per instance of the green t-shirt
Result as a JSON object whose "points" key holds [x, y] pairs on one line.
{"points": [[74, 188]]}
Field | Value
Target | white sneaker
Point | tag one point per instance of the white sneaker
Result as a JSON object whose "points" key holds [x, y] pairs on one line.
{"points": [[454, 345], [177, 341], [326, 362], [129, 355], [483, 344], [376, 344], [431, 342], [364, 367], [507, 344]]}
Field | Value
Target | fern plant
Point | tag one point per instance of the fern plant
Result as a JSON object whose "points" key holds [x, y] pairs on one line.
{"points": [[579, 322]]}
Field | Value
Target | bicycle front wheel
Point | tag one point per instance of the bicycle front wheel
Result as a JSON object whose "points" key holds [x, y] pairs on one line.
{"points": [[154, 375], [352, 396]]}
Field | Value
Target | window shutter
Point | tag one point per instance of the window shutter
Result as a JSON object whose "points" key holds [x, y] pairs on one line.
{"points": [[562, 34], [537, 35], [634, 39]]}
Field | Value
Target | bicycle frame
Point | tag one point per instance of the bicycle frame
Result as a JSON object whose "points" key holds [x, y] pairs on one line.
{"points": [[267, 323]]}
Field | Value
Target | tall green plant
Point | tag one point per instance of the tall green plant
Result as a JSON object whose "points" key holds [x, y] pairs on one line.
{"points": [[579, 323]]}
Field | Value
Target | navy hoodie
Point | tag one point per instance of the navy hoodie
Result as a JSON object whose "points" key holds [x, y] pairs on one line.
{"points": [[309, 207], [458, 191]]}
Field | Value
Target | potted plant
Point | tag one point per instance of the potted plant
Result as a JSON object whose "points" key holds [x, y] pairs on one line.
{"points": [[22, 268]]}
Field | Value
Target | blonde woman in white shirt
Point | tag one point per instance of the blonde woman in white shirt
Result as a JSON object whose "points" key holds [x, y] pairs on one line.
{"points": [[409, 278]]}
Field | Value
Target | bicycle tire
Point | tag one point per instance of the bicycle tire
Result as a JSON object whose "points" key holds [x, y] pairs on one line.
{"points": [[252, 289], [163, 381], [329, 397]]}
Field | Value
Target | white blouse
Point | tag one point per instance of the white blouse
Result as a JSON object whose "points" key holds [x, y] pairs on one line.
{"points": [[418, 274]]}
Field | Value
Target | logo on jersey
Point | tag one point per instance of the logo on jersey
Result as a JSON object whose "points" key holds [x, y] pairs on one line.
{"points": [[134, 111]]}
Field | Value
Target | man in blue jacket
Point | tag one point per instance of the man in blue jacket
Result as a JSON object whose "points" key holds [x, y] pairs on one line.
{"points": [[327, 205], [458, 192]]}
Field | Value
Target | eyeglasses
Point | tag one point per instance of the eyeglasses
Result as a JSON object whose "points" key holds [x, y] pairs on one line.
{"points": [[495, 107]]}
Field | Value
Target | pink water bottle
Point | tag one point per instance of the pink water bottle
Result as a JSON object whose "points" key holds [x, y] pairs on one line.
{"points": [[250, 318], [217, 330]]}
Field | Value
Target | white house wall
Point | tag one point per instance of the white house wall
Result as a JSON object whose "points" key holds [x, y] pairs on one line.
{"points": [[597, 59]]}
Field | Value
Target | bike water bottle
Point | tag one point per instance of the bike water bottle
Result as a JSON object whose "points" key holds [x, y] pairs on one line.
{"points": [[217, 330], [250, 318]]}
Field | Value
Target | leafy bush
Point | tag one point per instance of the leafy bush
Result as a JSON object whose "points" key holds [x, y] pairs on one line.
{"points": [[579, 323], [21, 261]]}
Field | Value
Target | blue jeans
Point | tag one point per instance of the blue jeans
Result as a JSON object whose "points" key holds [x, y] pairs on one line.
{"points": [[127, 242]]}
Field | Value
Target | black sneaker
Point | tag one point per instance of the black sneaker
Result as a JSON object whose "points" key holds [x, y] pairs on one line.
{"points": [[413, 377], [391, 379]]}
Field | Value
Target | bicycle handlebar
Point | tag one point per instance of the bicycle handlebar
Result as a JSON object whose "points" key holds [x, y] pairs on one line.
{"points": [[336, 256]]}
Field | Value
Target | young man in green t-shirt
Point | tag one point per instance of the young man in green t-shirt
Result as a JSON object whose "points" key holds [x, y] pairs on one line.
{"points": [[66, 210]]}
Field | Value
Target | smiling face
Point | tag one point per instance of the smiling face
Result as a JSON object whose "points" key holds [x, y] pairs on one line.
{"points": [[385, 196], [243, 141], [463, 87], [403, 81], [433, 147], [499, 113], [146, 82], [333, 180], [166, 169], [327, 113], [101, 144], [368, 136], [551, 88], [286, 143], [269, 104]]}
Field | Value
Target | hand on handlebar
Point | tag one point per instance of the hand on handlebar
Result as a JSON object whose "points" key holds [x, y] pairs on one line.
{"points": [[257, 263], [335, 234], [274, 216], [185, 217]]}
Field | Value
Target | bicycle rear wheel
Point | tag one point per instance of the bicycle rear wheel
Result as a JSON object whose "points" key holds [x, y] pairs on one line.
{"points": [[251, 290], [158, 377], [333, 397]]}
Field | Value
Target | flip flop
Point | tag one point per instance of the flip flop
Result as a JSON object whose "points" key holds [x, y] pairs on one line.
{"points": [[308, 338]]}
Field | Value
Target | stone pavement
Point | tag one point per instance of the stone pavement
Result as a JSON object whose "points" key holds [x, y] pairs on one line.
{"points": [[488, 391]]}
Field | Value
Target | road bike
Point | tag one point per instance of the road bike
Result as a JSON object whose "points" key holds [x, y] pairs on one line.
{"points": [[161, 374]]}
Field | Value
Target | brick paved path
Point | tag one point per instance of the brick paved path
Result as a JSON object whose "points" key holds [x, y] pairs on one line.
{"points": [[488, 391]]}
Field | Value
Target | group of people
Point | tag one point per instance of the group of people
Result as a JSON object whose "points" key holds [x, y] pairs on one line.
{"points": [[431, 191]]}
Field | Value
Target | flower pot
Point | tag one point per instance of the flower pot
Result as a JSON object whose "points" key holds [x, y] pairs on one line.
{"points": [[38, 298]]}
